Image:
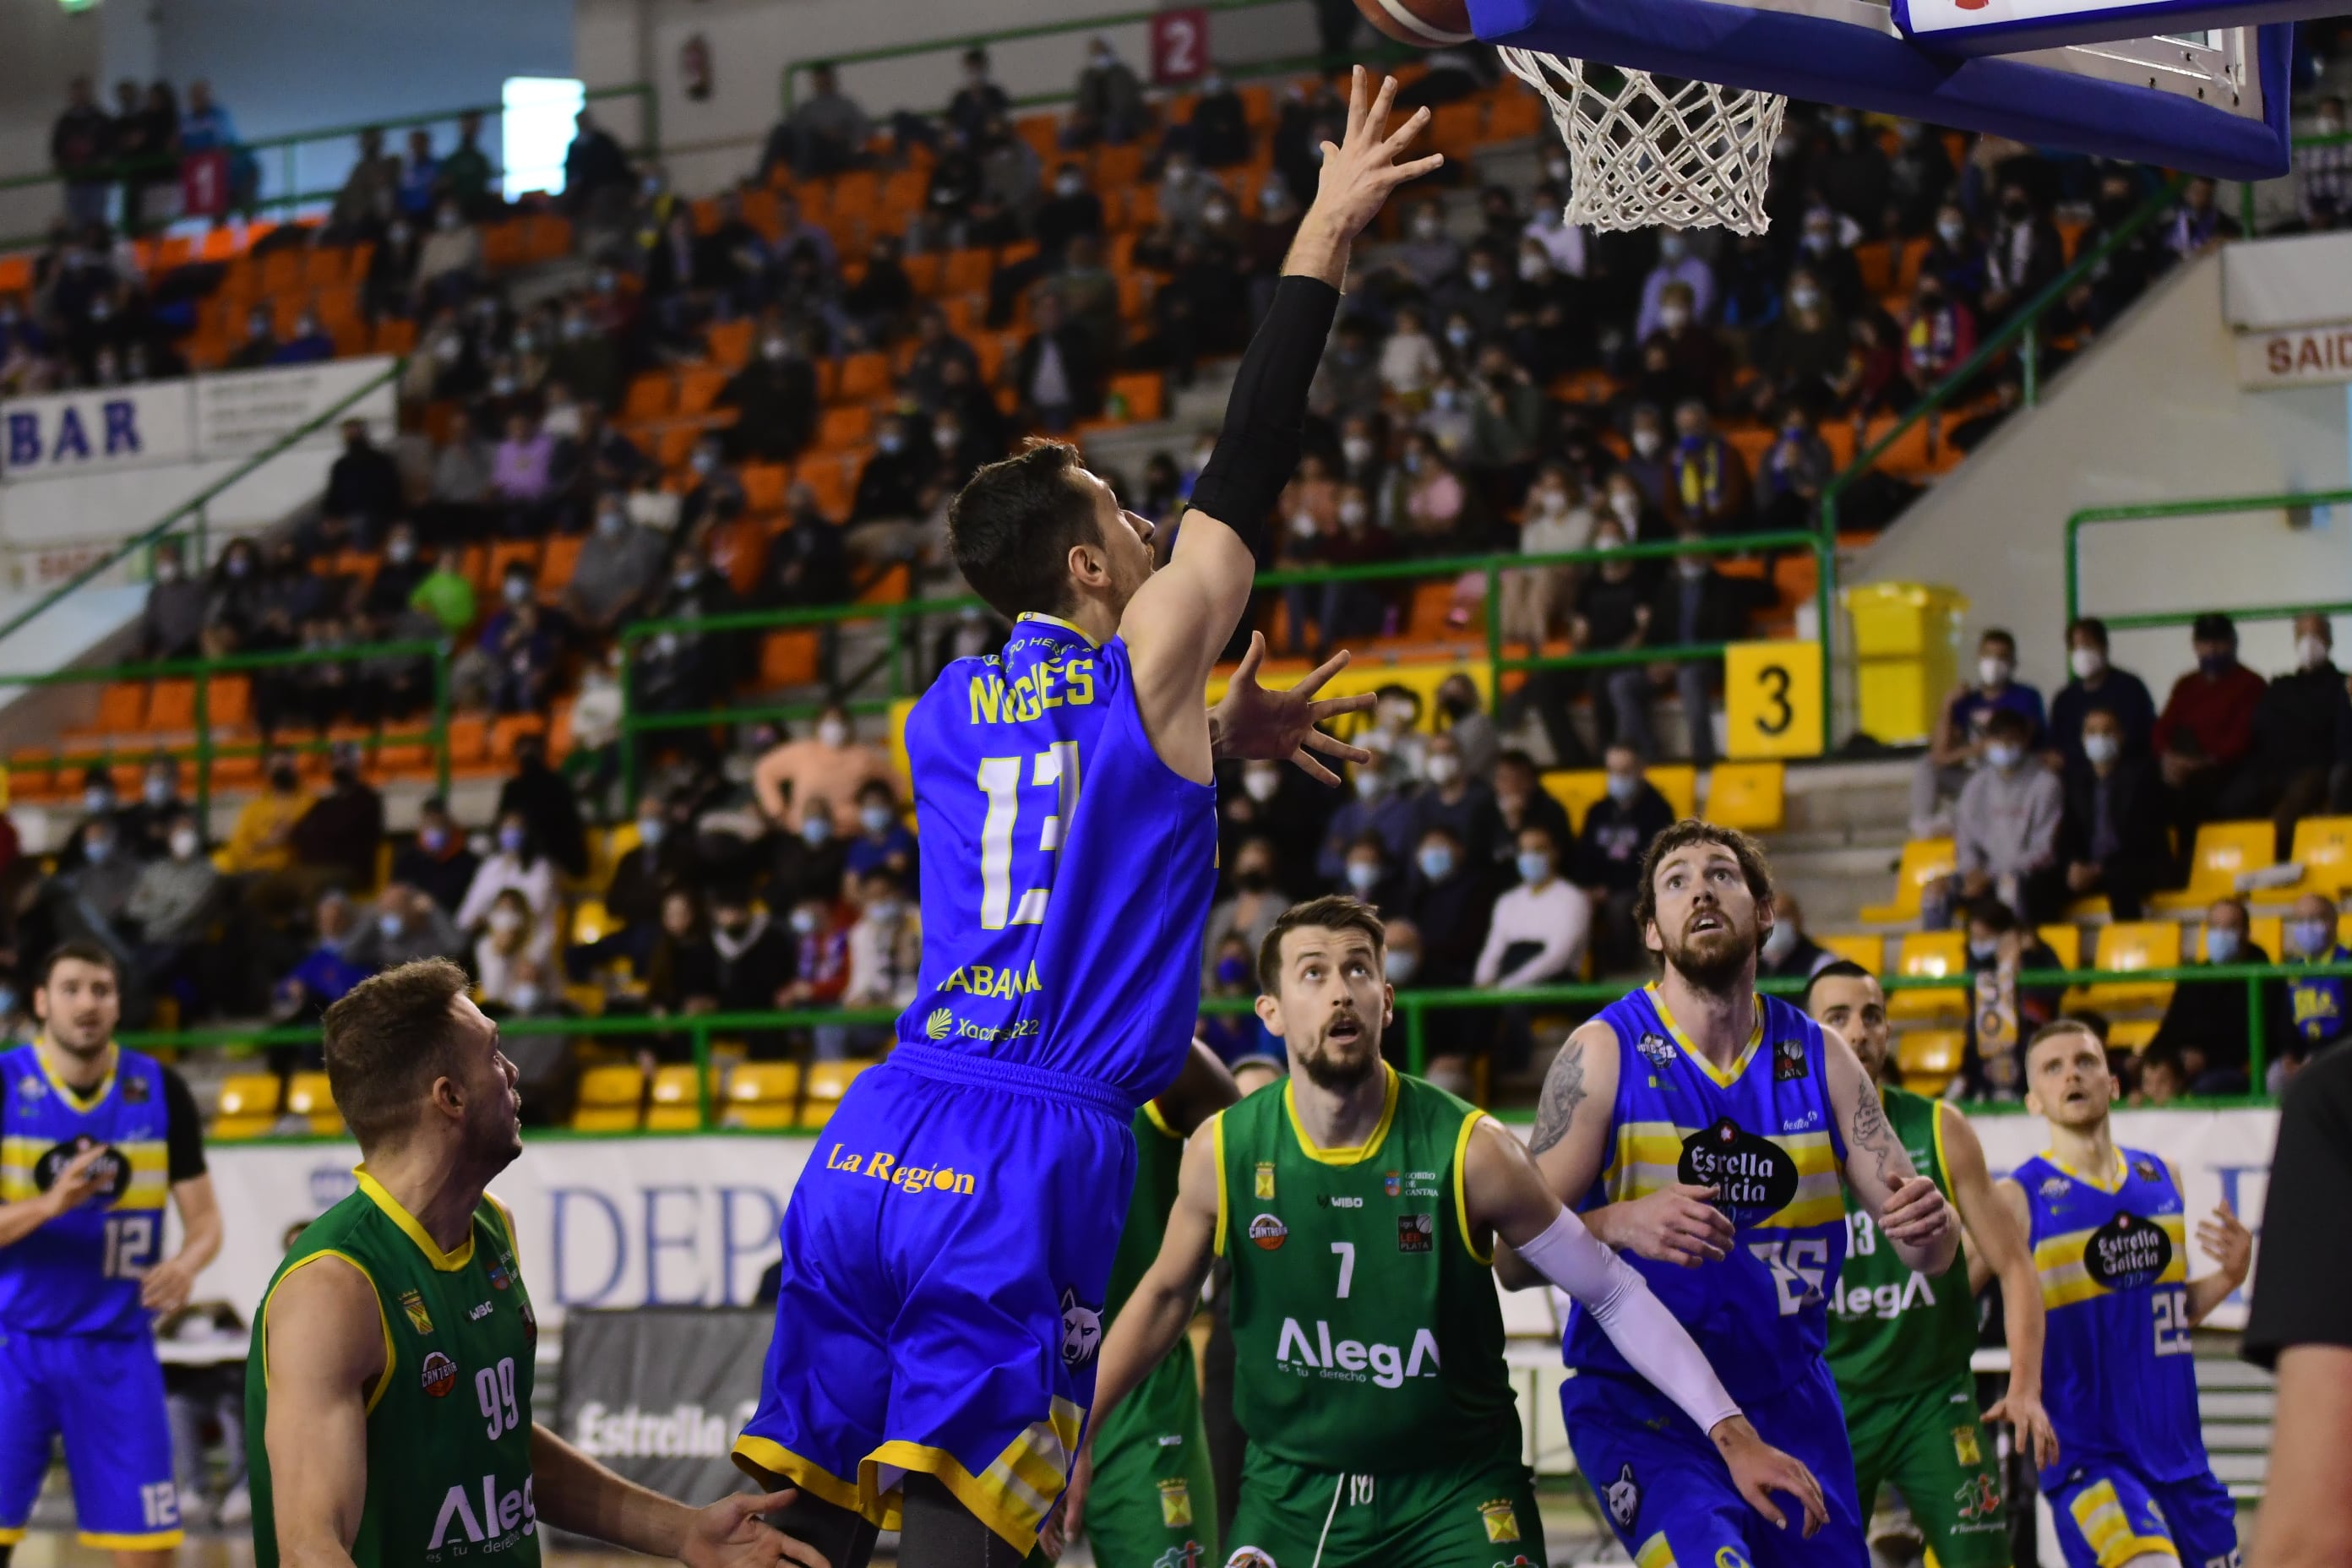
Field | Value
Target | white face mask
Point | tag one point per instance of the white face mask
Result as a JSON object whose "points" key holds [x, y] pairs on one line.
{"points": [[183, 842], [1646, 442], [1371, 783], [1779, 942], [1627, 505], [1261, 785], [2101, 749], [2310, 653], [1804, 298], [2086, 663], [1426, 226], [1951, 232], [505, 922], [1993, 671], [1443, 769], [833, 732], [1534, 269], [1356, 449], [1364, 876], [2004, 757], [1673, 318], [1400, 967]]}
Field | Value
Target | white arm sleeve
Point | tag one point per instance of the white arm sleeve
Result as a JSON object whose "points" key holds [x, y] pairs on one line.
{"points": [[1648, 1336]]}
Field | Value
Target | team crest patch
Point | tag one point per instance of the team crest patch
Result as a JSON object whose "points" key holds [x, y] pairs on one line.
{"points": [[937, 1026], [1416, 1233], [1250, 1557], [1978, 1499], [1263, 1187], [1185, 1556], [438, 1376], [135, 1091], [1175, 1503], [1655, 1050], [1624, 1497], [1965, 1448], [413, 1303], [31, 1088], [1502, 1523], [1392, 1183], [2055, 1188], [1269, 1232], [500, 1277], [1788, 1059], [2144, 1169], [1081, 1330]]}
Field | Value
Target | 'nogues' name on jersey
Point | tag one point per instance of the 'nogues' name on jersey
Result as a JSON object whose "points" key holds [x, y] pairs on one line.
{"points": [[1349, 1359]]}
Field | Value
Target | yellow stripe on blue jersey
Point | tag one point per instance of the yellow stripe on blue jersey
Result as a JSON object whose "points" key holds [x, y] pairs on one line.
{"points": [[2118, 1372], [1760, 1132], [80, 1273]]}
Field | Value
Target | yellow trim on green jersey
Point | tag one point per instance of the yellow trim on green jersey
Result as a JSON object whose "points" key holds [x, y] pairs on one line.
{"points": [[383, 1320], [1217, 1137], [1358, 1153], [1159, 1119], [443, 1262], [1462, 1190]]}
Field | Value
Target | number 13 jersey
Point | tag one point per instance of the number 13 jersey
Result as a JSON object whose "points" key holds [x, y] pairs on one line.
{"points": [[1066, 870]]}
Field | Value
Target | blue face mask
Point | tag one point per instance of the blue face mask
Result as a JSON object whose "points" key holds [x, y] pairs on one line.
{"points": [[649, 831], [1534, 867], [2220, 946], [2310, 938], [1437, 863], [1232, 971], [815, 830], [1363, 875], [510, 840]]}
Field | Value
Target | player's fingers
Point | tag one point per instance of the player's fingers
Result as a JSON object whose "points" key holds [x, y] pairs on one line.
{"points": [[1376, 123], [1247, 670], [1313, 769], [1312, 681], [1332, 746], [1399, 174], [1817, 1508], [801, 1552], [1356, 105], [1327, 708], [1761, 1500], [1401, 137], [763, 1502]]}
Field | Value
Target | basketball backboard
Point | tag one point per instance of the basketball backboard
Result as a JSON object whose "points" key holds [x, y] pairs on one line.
{"points": [[2212, 102]]}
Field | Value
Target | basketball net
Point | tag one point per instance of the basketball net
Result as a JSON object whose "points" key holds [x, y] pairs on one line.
{"points": [[1642, 152]]}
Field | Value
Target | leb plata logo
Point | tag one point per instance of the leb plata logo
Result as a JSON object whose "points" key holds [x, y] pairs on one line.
{"points": [[1788, 1059], [1416, 1233]]}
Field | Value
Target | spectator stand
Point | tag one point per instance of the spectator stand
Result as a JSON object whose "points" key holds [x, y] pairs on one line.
{"points": [[2281, 199]]}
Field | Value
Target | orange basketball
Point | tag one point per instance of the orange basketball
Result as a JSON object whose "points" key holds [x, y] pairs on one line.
{"points": [[1426, 23]]}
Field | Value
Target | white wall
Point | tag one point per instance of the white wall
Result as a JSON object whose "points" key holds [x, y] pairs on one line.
{"points": [[2153, 413]]}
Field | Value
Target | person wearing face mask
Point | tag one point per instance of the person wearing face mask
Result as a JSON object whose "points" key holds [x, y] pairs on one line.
{"points": [[2001, 943], [1479, 295], [327, 973], [336, 841], [1707, 484], [1108, 105], [1644, 470], [885, 946], [1851, 172], [2092, 682], [1788, 952], [364, 487], [2206, 731], [827, 761], [1428, 255], [1346, 391], [174, 905], [690, 672], [1796, 468], [1692, 605], [1450, 897], [1957, 257], [1457, 800], [1802, 353], [776, 396], [406, 926], [2005, 823], [1410, 361], [2115, 837], [1377, 804], [1540, 927], [1957, 746], [2323, 173], [543, 799], [1371, 874], [1252, 904], [2301, 761], [171, 621], [2319, 1006], [515, 866], [438, 860], [2206, 1024], [1678, 263], [2023, 255], [618, 564], [883, 841], [1607, 863]]}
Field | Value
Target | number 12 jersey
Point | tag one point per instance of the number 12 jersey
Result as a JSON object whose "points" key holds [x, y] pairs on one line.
{"points": [[1066, 870]]}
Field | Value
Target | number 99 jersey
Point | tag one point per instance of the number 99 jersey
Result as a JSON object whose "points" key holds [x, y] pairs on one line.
{"points": [[1066, 870], [79, 1273]]}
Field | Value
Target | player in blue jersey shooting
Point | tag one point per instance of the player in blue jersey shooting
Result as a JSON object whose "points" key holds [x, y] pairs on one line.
{"points": [[1723, 1131], [947, 1251], [2131, 1487]]}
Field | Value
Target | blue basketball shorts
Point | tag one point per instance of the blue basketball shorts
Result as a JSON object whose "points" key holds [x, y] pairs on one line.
{"points": [[946, 1254], [2107, 1513], [1669, 1496], [105, 1394]]}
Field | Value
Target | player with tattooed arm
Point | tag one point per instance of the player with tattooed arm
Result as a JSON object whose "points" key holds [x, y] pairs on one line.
{"points": [[1710, 1135]]}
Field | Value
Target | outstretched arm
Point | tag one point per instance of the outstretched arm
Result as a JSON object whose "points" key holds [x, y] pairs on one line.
{"points": [[1505, 1193], [1995, 1235], [1912, 1214], [1181, 620], [574, 1492]]}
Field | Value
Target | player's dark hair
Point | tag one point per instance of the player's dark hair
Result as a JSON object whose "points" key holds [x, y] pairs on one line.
{"points": [[2095, 628], [2007, 723], [387, 1040], [81, 950], [1333, 911], [1998, 635], [1843, 968], [1754, 869], [1014, 525]]}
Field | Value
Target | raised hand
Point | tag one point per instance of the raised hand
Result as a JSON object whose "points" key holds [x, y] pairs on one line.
{"points": [[729, 1534], [2224, 1239], [1359, 173], [1256, 725]]}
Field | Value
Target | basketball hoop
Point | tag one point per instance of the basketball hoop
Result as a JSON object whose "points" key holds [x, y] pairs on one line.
{"points": [[1643, 152]]}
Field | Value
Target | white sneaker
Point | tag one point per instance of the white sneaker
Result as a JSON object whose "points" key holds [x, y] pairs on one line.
{"points": [[237, 1508]]}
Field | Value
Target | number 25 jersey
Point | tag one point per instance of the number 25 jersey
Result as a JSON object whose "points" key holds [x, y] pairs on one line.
{"points": [[2117, 1375], [1066, 870]]}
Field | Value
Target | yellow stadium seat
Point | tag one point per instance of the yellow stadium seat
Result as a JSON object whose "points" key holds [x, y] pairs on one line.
{"points": [[2223, 850], [1925, 861], [1747, 795], [608, 1097], [1678, 782], [827, 1082], [1866, 948], [2067, 942], [590, 922], [762, 1095], [231, 1128], [2323, 848], [309, 1096], [606, 848], [1576, 789], [2128, 945], [251, 1094], [2131, 1034], [675, 1108], [1929, 1057], [1937, 954]]}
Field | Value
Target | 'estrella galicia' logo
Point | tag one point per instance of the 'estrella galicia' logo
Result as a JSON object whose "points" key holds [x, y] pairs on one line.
{"points": [[2126, 1252], [1753, 1177], [110, 1171]]}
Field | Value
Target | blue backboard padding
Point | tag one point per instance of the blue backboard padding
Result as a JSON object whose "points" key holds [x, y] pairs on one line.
{"points": [[1827, 61], [2142, 21]]}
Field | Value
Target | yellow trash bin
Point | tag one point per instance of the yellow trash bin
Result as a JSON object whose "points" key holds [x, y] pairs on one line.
{"points": [[1907, 657]]}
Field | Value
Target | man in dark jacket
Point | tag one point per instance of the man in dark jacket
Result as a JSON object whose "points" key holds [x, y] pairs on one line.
{"points": [[2113, 836], [1690, 606], [1056, 375], [775, 400], [2302, 757], [362, 488], [1618, 828], [337, 838], [1450, 897], [439, 863], [545, 802]]}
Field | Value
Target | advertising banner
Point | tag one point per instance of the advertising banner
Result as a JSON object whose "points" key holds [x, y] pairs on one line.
{"points": [[658, 1395]]}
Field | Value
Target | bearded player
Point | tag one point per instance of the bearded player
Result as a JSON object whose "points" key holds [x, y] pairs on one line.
{"points": [[1900, 1341], [946, 1258], [1360, 1208], [2132, 1487], [1711, 1133]]}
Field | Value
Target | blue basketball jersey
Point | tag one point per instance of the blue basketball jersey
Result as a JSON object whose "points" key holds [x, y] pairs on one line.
{"points": [[1762, 1133], [1066, 872], [79, 1273], [2118, 1376]]}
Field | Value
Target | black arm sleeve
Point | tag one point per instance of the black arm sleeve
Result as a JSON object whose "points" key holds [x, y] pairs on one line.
{"points": [[1265, 419], [183, 1134]]}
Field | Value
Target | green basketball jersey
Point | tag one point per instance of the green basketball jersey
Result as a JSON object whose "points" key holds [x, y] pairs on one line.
{"points": [[1169, 1397], [1893, 1330], [448, 1425], [1366, 1334]]}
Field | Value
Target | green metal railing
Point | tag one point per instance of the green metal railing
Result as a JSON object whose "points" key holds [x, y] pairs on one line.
{"points": [[2247, 188], [899, 676], [204, 751], [1382, 50], [2215, 507], [705, 1030], [289, 196]]}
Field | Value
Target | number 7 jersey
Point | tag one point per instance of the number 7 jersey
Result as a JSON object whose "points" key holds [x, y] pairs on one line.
{"points": [[1066, 870]]}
